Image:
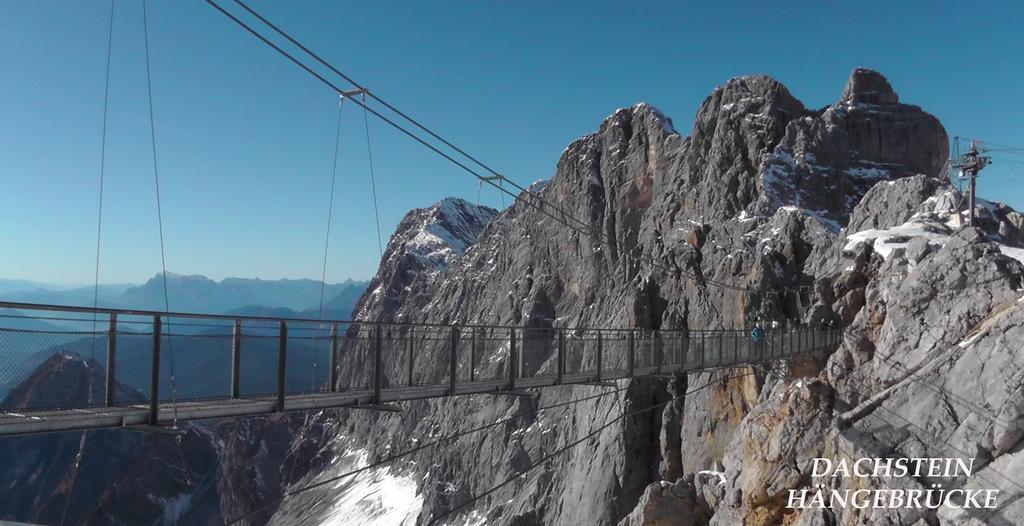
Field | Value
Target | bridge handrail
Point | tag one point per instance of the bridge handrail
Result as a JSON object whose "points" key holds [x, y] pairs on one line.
{"points": [[22, 306], [478, 357]]}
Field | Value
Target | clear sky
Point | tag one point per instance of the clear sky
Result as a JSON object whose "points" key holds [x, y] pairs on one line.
{"points": [[245, 139]]}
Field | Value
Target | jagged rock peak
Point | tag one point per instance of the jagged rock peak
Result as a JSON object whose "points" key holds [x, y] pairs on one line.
{"points": [[425, 243], [867, 86], [752, 90], [640, 109], [64, 380], [441, 232]]}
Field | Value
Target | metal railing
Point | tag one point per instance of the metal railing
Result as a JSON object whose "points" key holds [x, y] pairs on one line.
{"points": [[131, 356]]}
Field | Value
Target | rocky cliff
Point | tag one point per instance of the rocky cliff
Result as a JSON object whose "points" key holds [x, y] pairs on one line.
{"points": [[757, 196]]}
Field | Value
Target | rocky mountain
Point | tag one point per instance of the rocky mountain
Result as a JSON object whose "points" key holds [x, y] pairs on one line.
{"points": [[767, 211], [426, 242], [763, 194], [122, 477]]}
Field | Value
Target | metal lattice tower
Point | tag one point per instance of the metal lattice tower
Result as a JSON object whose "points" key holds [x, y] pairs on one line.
{"points": [[970, 164]]}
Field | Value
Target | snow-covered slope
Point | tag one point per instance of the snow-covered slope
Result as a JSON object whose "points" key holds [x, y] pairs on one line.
{"points": [[934, 221]]}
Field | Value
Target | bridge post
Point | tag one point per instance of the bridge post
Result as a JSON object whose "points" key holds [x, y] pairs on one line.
{"points": [[236, 355], [334, 358], [631, 355], [453, 362], [111, 359], [520, 355], [600, 352], [378, 365], [684, 350], [154, 374], [657, 351], [282, 364], [703, 348], [472, 355], [513, 359], [412, 342], [560, 359]]}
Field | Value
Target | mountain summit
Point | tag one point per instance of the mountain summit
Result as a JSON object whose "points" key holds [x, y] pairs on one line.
{"points": [[425, 243]]}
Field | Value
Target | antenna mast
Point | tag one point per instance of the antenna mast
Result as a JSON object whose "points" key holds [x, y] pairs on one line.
{"points": [[970, 163]]}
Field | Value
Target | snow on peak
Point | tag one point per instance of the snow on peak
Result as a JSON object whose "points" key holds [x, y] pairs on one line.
{"points": [[443, 232]]}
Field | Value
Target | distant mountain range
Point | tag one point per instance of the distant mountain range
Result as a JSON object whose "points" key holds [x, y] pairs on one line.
{"points": [[197, 293]]}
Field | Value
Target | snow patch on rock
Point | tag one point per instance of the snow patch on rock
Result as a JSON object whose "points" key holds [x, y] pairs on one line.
{"points": [[375, 497]]}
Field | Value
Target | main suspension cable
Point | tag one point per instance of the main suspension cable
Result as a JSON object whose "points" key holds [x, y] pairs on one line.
{"points": [[534, 200]]}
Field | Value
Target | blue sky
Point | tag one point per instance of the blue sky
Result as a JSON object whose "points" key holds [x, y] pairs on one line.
{"points": [[245, 139]]}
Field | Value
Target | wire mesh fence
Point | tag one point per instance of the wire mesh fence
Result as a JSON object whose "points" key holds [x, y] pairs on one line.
{"points": [[224, 358]]}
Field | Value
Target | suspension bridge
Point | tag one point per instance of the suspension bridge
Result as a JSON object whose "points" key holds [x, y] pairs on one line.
{"points": [[367, 365]]}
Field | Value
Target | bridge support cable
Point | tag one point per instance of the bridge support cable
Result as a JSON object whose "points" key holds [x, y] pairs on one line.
{"points": [[550, 210], [96, 277], [496, 179], [327, 243], [333, 339], [417, 449], [373, 178], [159, 218]]}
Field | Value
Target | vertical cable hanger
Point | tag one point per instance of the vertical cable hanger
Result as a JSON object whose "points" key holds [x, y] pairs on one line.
{"points": [[327, 234], [293, 450], [330, 206], [369, 158], [96, 279], [159, 218], [103, 165]]}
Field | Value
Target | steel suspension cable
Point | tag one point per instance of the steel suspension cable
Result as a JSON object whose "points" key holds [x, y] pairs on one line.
{"points": [[534, 201], [96, 282], [330, 212], [159, 217], [103, 165], [421, 447], [373, 181], [577, 442], [293, 449]]}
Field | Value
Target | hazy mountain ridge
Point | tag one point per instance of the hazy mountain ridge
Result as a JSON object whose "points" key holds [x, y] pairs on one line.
{"points": [[197, 293]]}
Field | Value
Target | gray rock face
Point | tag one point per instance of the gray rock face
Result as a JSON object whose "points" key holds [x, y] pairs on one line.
{"points": [[698, 206], [828, 160], [894, 203], [929, 324], [426, 242], [665, 504], [868, 87]]}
